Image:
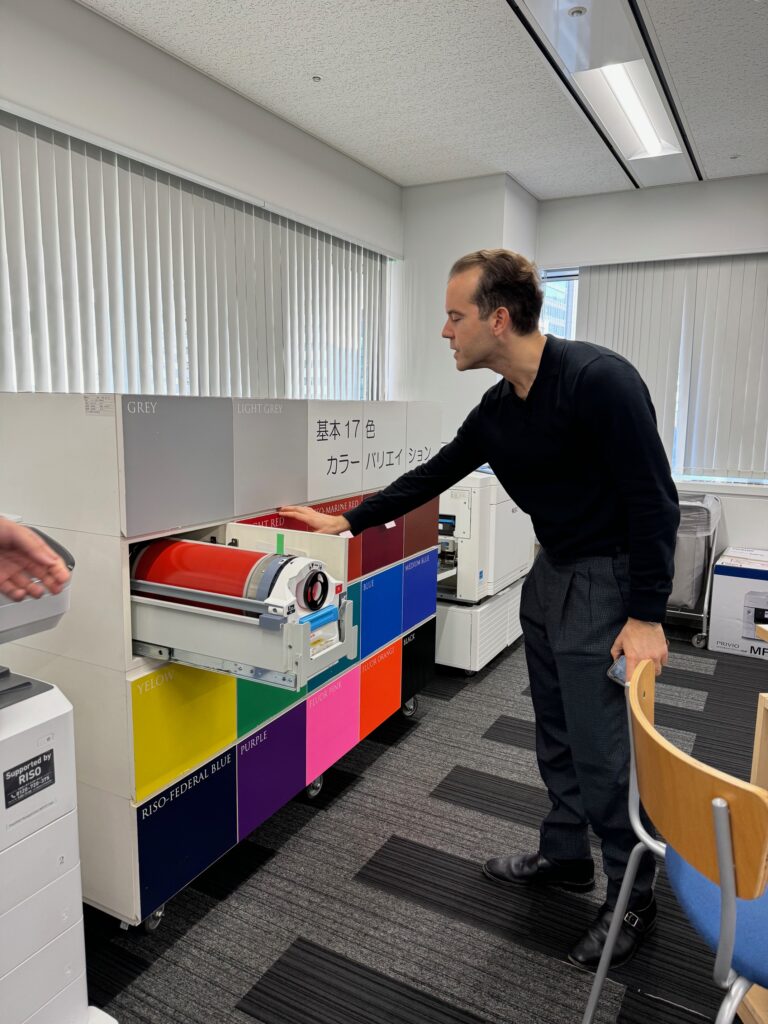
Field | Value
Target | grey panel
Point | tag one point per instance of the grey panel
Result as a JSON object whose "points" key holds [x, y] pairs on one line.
{"points": [[270, 444], [177, 456]]}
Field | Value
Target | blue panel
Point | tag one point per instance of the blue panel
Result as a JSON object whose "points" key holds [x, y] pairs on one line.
{"points": [[185, 828], [419, 588], [382, 609], [353, 595]]}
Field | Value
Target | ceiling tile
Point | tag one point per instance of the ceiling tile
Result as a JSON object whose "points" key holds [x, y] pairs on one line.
{"points": [[715, 56], [417, 90]]}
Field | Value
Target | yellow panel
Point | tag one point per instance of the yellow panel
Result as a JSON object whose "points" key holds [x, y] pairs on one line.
{"points": [[181, 717]]}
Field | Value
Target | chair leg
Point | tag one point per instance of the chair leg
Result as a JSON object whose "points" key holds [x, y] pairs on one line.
{"points": [[732, 1001], [613, 932]]}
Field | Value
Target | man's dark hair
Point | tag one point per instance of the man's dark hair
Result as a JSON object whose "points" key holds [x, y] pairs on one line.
{"points": [[509, 280]]}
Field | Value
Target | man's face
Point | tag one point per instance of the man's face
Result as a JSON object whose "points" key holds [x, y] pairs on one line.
{"points": [[472, 340]]}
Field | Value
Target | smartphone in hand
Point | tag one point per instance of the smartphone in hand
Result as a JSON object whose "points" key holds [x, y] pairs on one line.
{"points": [[618, 671]]}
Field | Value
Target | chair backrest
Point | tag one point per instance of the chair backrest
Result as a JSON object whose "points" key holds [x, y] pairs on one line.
{"points": [[677, 792]]}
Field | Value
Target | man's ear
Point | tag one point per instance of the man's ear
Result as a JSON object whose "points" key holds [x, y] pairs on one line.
{"points": [[500, 320]]}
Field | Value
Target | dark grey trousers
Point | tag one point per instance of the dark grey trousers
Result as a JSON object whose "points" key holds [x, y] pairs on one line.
{"points": [[571, 614]]}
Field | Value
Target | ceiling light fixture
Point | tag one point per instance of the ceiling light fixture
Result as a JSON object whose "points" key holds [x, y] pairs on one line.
{"points": [[577, 12], [625, 98], [628, 99]]}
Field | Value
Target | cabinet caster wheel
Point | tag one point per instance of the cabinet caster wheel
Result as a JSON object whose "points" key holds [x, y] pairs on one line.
{"points": [[313, 789], [152, 923], [410, 707], [700, 640], [469, 672]]}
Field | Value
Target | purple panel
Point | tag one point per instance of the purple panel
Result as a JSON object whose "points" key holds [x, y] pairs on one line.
{"points": [[271, 768]]}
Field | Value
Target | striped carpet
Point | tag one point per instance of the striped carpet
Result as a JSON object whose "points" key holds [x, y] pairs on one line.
{"points": [[367, 906]]}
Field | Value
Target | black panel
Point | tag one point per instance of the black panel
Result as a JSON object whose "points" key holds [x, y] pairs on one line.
{"points": [[418, 658], [312, 985]]}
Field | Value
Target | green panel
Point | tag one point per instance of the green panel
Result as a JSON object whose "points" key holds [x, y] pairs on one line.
{"points": [[256, 702]]}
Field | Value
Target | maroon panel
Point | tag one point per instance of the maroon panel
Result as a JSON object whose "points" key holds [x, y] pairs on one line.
{"points": [[421, 528], [382, 545]]}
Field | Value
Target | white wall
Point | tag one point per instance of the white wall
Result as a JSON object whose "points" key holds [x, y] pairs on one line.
{"points": [[442, 223], [745, 514], [70, 66], [708, 218]]}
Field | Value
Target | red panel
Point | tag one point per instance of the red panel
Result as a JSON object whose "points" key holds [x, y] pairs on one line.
{"points": [[276, 521], [421, 528], [380, 687]]}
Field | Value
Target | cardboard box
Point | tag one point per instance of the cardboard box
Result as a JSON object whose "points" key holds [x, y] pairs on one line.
{"points": [[740, 602]]}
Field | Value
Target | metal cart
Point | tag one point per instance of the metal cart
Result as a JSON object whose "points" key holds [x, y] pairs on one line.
{"points": [[695, 555]]}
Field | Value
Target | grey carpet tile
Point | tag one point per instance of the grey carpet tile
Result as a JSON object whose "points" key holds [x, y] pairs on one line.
{"points": [[680, 696], [517, 733], [702, 662], [309, 984], [673, 964]]}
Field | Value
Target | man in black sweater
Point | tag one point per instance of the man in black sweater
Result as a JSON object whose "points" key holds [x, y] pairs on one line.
{"points": [[570, 432]]}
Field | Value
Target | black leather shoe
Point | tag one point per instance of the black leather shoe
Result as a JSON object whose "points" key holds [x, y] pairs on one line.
{"points": [[533, 869], [635, 926]]}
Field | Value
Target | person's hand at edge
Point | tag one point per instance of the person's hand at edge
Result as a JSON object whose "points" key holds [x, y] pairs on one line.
{"points": [[639, 640], [28, 567], [318, 522]]}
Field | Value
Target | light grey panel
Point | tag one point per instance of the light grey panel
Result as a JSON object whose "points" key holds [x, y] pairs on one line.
{"points": [[177, 458], [270, 442]]}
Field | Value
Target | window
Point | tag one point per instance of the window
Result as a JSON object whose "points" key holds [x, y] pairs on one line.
{"points": [[695, 329], [558, 314], [115, 276]]}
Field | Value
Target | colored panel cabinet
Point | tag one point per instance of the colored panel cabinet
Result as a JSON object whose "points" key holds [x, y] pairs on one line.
{"points": [[335, 444], [258, 702], [381, 615], [181, 717], [380, 687], [263, 432], [418, 658], [420, 530], [384, 442], [185, 828], [164, 439], [419, 588], [271, 768], [353, 595], [333, 722]]}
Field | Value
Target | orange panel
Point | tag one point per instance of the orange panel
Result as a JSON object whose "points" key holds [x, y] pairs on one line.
{"points": [[380, 686]]}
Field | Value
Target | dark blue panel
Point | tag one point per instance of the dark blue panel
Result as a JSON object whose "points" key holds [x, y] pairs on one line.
{"points": [[419, 588], [382, 609], [353, 595], [185, 828]]}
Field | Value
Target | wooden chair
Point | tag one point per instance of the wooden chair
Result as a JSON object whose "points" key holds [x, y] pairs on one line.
{"points": [[716, 851]]}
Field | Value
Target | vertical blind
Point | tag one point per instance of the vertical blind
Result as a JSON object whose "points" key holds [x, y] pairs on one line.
{"points": [[115, 276], [697, 330]]}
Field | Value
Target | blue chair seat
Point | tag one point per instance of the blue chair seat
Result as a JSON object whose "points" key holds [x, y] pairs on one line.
{"points": [[700, 899]]}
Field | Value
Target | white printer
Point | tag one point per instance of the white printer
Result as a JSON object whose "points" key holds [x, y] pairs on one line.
{"points": [[42, 952], [755, 613], [486, 548]]}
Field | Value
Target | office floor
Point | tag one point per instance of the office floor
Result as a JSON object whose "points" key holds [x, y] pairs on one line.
{"points": [[367, 906]]}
